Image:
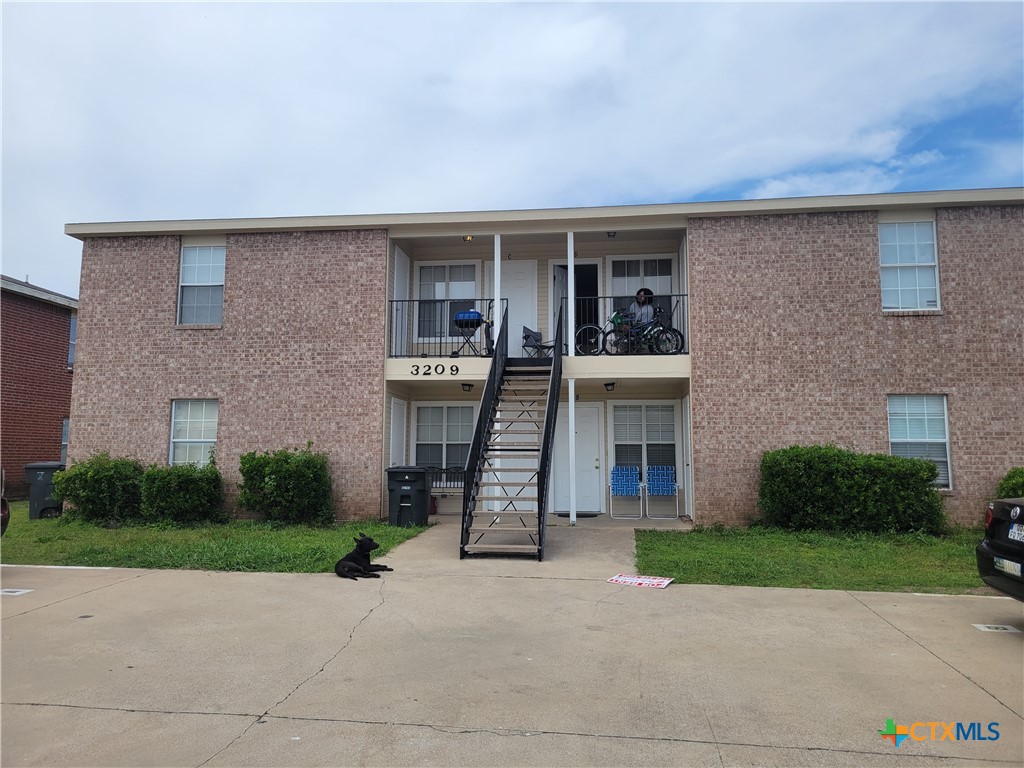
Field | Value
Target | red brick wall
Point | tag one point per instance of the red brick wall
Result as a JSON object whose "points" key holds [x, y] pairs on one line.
{"points": [[299, 356], [35, 395], [790, 346]]}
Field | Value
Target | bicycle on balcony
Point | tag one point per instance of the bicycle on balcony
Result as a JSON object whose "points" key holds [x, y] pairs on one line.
{"points": [[622, 334], [629, 336]]}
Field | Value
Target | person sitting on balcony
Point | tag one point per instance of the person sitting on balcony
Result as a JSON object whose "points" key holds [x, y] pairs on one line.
{"points": [[643, 308]]}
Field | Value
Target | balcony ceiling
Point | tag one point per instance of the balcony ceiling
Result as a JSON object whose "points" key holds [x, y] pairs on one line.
{"points": [[553, 239]]}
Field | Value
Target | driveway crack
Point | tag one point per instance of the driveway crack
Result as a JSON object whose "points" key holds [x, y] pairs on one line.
{"points": [[262, 718]]}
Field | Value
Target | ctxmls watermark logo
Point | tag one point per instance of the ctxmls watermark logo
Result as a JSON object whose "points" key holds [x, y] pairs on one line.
{"points": [[936, 731]]}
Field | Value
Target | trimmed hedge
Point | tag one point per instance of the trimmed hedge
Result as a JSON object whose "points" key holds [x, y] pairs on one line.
{"points": [[1012, 485], [287, 486], [183, 494], [825, 488], [101, 489]]}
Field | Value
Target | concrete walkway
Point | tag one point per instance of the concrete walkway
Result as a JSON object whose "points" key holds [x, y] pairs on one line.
{"points": [[494, 662]]}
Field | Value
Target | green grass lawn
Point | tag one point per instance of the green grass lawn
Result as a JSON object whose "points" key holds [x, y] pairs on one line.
{"points": [[763, 557], [236, 546]]}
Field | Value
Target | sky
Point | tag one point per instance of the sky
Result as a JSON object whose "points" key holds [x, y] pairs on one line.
{"points": [[140, 111]]}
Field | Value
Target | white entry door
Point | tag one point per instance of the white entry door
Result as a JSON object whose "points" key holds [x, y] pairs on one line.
{"points": [[589, 448], [519, 286]]}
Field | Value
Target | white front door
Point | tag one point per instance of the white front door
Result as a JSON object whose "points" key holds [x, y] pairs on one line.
{"points": [[399, 415], [589, 448], [519, 286]]}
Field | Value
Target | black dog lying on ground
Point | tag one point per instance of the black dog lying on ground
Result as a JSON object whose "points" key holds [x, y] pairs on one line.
{"points": [[356, 564]]}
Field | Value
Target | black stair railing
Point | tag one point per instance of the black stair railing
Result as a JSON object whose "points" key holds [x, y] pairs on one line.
{"points": [[484, 421], [547, 446]]}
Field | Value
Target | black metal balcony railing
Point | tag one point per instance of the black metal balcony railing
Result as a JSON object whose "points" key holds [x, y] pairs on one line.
{"points": [[432, 328], [593, 313], [441, 327]]}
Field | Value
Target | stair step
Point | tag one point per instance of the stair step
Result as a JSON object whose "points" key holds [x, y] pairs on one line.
{"points": [[513, 499], [520, 419], [509, 469], [525, 548], [503, 528], [483, 514], [506, 444], [516, 432], [510, 455], [508, 483]]}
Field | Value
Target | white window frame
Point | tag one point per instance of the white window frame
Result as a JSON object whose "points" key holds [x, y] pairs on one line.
{"points": [[445, 405], [65, 434], [215, 279], [72, 340], [677, 433], [477, 283], [196, 430], [903, 264], [931, 401]]}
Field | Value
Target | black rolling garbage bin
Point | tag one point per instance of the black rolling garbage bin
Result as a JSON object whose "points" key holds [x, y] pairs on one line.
{"points": [[408, 496], [39, 477]]}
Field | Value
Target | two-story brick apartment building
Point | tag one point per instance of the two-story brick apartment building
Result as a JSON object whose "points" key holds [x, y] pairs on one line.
{"points": [[37, 353], [880, 323]]}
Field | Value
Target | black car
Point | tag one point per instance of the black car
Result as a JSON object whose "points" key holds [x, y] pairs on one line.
{"points": [[1001, 553]]}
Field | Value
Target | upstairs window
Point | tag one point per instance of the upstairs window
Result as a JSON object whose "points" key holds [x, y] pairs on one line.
{"points": [[72, 340], [909, 265], [201, 292], [443, 291], [193, 431], [918, 430]]}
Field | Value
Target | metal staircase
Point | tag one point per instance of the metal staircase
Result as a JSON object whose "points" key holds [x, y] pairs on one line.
{"points": [[510, 460]]}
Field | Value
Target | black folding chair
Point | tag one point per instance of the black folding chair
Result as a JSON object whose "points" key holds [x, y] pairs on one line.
{"points": [[533, 346]]}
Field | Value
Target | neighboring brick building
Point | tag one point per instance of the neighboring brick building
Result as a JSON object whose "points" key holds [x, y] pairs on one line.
{"points": [[877, 322], [36, 356]]}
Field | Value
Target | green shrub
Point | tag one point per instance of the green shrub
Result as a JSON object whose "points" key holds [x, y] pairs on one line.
{"points": [[287, 486], [101, 489], [825, 488], [1011, 486], [183, 494]]}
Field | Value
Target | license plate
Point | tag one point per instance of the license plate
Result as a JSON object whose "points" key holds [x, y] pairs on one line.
{"points": [[1016, 532], [1006, 566]]}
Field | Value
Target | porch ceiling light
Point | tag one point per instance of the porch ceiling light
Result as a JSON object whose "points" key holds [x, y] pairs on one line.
{"points": [[467, 387], [609, 385], [467, 238]]}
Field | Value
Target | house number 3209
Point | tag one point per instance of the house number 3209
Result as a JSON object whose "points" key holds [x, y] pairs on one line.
{"points": [[431, 370]]}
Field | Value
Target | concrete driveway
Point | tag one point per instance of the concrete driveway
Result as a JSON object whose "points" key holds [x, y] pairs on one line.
{"points": [[495, 662]]}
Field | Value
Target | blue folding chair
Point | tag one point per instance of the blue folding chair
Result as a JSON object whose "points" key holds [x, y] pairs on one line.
{"points": [[661, 481], [626, 483]]}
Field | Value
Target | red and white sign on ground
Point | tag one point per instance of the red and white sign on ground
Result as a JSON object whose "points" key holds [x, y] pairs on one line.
{"points": [[657, 582]]}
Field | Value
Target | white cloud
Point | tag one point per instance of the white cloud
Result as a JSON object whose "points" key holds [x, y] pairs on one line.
{"points": [[135, 111]]}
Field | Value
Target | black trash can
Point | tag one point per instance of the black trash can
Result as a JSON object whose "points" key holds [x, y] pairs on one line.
{"points": [[39, 477], [408, 496]]}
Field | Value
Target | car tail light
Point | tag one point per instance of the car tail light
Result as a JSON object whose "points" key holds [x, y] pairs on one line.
{"points": [[988, 515]]}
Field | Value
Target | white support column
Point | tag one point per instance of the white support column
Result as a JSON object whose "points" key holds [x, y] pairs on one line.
{"points": [[570, 302], [497, 288], [570, 329], [572, 451]]}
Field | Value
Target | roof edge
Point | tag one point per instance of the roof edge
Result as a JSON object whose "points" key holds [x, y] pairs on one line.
{"points": [[35, 292], [596, 217]]}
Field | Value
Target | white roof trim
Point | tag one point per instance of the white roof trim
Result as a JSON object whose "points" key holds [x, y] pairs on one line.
{"points": [[16, 286], [622, 217]]}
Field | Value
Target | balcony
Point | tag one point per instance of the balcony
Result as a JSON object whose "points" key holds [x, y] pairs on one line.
{"points": [[441, 327], [456, 328], [604, 326]]}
